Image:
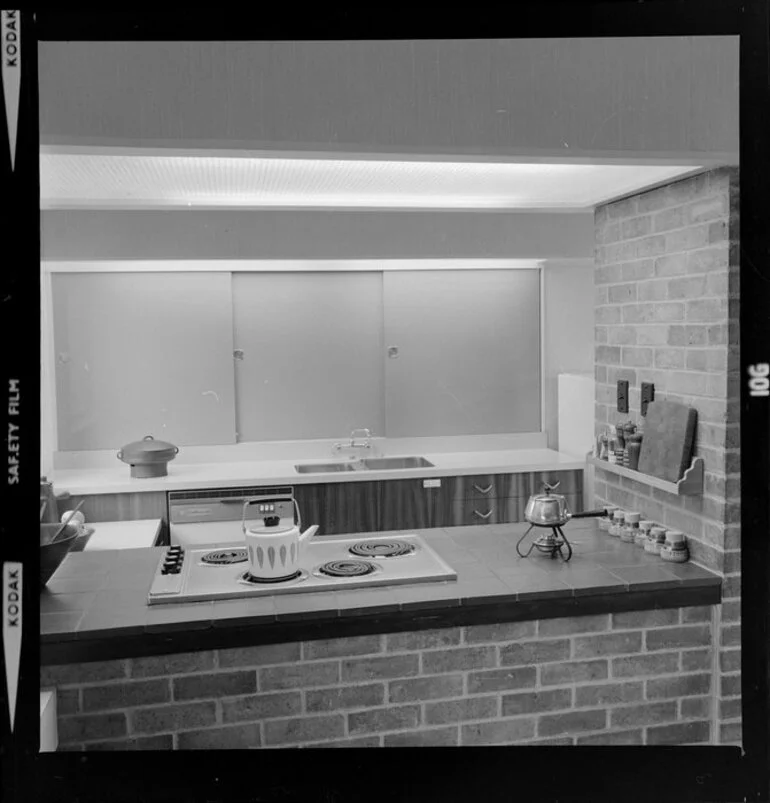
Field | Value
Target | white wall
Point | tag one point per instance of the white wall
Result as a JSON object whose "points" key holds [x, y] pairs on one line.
{"points": [[568, 330]]}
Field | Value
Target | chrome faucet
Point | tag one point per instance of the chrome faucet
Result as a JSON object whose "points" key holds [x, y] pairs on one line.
{"points": [[363, 444]]}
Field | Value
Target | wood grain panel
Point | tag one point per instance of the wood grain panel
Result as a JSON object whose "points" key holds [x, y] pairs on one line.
{"points": [[339, 508], [120, 507], [405, 504]]}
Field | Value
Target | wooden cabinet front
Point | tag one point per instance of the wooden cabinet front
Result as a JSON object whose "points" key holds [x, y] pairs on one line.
{"points": [[340, 507]]}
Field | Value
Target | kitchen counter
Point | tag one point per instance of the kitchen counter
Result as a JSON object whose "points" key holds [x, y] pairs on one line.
{"points": [[192, 476], [95, 606]]}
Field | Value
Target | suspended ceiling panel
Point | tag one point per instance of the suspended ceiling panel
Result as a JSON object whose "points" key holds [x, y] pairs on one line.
{"points": [[161, 180]]}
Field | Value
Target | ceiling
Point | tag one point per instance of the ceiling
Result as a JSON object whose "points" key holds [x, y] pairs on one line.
{"points": [[146, 179]]}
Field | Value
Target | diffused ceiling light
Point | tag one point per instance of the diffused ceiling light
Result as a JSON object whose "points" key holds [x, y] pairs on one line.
{"points": [[162, 180]]}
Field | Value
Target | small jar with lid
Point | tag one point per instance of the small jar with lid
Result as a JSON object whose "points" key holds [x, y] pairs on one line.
{"points": [[674, 549], [606, 521], [616, 527], [644, 532], [630, 527], [658, 538]]}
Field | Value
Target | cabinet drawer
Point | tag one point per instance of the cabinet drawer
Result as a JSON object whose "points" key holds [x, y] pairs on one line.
{"points": [[476, 511]]}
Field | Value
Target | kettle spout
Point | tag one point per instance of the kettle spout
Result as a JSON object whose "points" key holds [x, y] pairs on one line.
{"points": [[309, 533]]}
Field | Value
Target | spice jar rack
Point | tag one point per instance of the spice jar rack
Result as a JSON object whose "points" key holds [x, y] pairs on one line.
{"points": [[691, 483]]}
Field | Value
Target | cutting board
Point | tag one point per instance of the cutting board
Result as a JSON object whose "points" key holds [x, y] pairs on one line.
{"points": [[669, 432]]}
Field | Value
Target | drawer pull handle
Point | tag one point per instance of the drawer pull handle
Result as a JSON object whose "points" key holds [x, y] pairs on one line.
{"points": [[482, 490], [483, 515]]}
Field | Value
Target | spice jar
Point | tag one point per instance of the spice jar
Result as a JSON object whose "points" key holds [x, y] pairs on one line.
{"points": [[630, 527], [606, 521], [658, 538], [633, 449], [674, 549], [644, 532], [616, 527]]}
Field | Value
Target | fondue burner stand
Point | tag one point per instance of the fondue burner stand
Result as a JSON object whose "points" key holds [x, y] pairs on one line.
{"points": [[552, 542]]}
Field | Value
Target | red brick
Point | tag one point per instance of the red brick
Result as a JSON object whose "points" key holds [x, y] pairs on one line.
{"points": [[730, 733], [680, 733], [423, 639], [730, 636], [501, 679], [261, 706], [345, 697], [730, 709], [687, 239], [695, 707], [638, 357], [607, 315], [238, 737], [459, 659], [678, 686], [612, 738], [693, 660], [464, 709], [608, 694], [534, 652], [622, 293], [68, 701], [730, 660], [573, 722], [642, 665], [215, 684], [384, 719], [260, 655], [501, 631], [91, 672], [674, 218], [427, 688], [564, 626], [607, 644], [671, 264], [337, 647], [669, 358], [535, 702], [713, 258], [637, 269], [654, 618], [175, 664], [362, 741], [730, 685], [655, 290], [644, 714], [298, 675], [380, 668], [161, 718], [689, 636], [304, 729], [609, 355], [697, 613], [430, 737], [93, 727], [501, 731], [124, 695], [163, 741]]}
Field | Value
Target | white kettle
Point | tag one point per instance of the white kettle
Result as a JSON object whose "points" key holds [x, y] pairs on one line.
{"points": [[274, 549]]}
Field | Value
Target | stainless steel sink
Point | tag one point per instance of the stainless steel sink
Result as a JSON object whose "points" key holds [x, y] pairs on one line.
{"points": [[323, 468], [396, 462]]}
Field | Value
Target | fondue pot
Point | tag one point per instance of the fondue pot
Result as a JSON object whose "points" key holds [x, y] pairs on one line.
{"points": [[551, 510]]}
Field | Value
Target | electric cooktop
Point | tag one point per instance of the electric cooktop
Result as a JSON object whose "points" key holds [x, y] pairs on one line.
{"points": [[221, 571]]}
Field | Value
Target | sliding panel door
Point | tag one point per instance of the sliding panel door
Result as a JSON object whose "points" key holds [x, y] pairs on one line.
{"points": [[468, 352], [143, 354], [311, 365]]}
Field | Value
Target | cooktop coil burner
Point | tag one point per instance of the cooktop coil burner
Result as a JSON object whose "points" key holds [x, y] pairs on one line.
{"points": [[223, 557], [382, 549], [346, 568], [250, 579]]}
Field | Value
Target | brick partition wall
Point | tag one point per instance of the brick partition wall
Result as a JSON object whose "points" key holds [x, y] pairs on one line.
{"points": [[666, 295], [626, 678]]}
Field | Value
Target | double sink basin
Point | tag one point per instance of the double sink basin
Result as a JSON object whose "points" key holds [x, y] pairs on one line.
{"points": [[366, 464]]}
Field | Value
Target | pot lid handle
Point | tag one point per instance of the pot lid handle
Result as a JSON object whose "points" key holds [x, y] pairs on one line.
{"points": [[150, 438], [548, 488]]}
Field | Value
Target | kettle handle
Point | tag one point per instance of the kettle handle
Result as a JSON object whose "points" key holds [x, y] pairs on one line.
{"points": [[253, 499]]}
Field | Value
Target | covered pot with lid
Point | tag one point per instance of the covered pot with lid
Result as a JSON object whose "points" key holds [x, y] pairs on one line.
{"points": [[148, 457]]}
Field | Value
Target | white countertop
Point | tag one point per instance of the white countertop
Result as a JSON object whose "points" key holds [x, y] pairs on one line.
{"points": [[192, 476], [137, 534]]}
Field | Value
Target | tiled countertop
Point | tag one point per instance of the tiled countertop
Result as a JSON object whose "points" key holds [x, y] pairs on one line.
{"points": [[95, 606], [192, 476]]}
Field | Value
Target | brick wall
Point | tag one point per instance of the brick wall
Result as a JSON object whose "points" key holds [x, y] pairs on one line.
{"points": [[627, 678], [666, 295]]}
